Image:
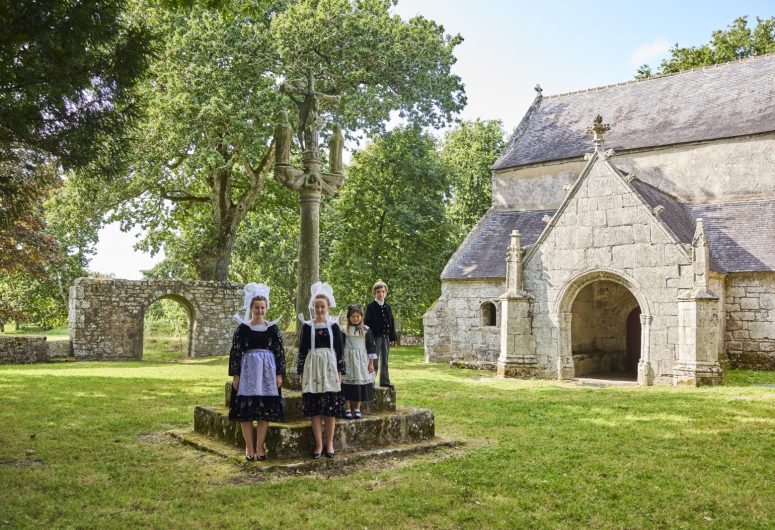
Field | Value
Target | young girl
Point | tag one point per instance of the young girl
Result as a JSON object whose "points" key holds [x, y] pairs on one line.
{"points": [[359, 354], [257, 364], [321, 365]]}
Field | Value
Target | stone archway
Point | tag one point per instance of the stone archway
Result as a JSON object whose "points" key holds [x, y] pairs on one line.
{"points": [[191, 324], [593, 313], [105, 316]]}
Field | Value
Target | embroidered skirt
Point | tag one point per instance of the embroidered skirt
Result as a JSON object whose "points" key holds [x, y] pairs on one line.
{"points": [[321, 391], [258, 397]]}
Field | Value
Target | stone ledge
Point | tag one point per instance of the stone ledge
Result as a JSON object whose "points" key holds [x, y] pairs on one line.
{"points": [[474, 365], [307, 465], [294, 439]]}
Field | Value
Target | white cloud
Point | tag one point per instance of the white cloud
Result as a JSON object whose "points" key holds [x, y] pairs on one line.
{"points": [[647, 53]]}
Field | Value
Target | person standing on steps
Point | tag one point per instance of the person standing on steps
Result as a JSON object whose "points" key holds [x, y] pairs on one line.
{"points": [[257, 365], [321, 366], [379, 319]]}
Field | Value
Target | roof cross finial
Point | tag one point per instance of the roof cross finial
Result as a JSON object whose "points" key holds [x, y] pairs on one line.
{"points": [[598, 129]]}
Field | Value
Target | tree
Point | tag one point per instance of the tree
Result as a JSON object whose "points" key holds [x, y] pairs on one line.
{"points": [[467, 153], [389, 222], [204, 150], [737, 42], [66, 69]]}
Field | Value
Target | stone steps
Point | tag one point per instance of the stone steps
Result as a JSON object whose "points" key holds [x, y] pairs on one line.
{"points": [[293, 439], [384, 401]]}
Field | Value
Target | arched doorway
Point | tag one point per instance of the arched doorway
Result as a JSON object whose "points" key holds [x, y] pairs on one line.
{"points": [[603, 331], [167, 329]]}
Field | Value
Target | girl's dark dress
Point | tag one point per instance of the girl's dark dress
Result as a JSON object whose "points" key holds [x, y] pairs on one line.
{"points": [[329, 400], [256, 407]]}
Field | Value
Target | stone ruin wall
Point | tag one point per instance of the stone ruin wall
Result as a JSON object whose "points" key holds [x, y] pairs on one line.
{"points": [[452, 327], [32, 349], [23, 350], [749, 338], [106, 317]]}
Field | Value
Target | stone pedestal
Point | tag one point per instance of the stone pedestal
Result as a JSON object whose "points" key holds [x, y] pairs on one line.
{"points": [[698, 341], [517, 357]]}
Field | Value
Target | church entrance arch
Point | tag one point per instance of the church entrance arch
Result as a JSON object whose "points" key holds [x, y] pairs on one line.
{"points": [[601, 331]]}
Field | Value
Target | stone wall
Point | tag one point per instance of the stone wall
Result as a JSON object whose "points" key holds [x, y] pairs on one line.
{"points": [[706, 171], [106, 317], [58, 349], [452, 327], [22, 350], [749, 337]]}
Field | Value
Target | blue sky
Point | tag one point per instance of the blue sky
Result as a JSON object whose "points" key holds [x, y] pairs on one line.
{"points": [[510, 46]]}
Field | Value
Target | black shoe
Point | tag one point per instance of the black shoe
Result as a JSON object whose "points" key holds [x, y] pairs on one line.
{"points": [[330, 455], [249, 458], [357, 415], [315, 456], [260, 458], [348, 415]]}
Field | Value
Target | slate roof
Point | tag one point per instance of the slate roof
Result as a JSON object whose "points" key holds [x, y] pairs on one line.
{"points": [[741, 234], [722, 101], [483, 253]]}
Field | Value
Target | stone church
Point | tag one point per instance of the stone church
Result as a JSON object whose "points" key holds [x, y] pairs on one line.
{"points": [[640, 245]]}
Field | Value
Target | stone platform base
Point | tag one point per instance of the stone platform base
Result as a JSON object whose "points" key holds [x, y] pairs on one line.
{"points": [[294, 438], [305, 464]]}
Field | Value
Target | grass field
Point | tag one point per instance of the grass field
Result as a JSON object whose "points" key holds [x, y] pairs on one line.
{"points": [[82, 446]]}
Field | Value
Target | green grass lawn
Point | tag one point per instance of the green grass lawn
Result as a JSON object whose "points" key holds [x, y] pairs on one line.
{"points": [[50, 334], [81, 447]]}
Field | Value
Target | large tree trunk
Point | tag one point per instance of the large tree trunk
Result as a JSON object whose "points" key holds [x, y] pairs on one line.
{"points": [[212, 263], [215, 256]]}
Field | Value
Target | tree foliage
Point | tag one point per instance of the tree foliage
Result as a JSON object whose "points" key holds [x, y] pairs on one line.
{"points": [[389, 222], [467, 153], [204, 150], [738, 41], [66, 73]]}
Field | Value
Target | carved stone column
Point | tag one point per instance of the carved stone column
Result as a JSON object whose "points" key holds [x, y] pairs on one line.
{"points": [[565, 369], [309, 245], [645, 370], [698, 325], [517, 356]]}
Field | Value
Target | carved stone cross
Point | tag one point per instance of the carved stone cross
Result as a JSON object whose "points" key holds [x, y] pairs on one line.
{"points": [[309, 180]]}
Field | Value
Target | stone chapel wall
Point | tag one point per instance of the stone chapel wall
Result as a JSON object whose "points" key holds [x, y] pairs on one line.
{"points": [[749, 337], [696, 173], [453, 328]]}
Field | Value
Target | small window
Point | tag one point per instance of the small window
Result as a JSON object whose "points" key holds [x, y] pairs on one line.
{"points": [[489, 317]]}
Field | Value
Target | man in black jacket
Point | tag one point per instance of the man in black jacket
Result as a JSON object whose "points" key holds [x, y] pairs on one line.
{"points": [[379, 318]]}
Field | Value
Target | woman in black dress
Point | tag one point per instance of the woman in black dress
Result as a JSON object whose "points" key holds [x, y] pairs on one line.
{"points": [[257, 364], [321, 365]]}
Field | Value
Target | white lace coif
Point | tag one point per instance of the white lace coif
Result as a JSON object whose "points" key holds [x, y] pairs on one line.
{"points": [[321, 288], [251, 291]]}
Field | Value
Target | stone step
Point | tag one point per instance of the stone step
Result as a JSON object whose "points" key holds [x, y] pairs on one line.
{"points": [[294, 439], [384, 401]]}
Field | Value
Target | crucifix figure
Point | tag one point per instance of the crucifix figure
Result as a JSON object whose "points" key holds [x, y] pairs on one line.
{"points": [[309, 180]]}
